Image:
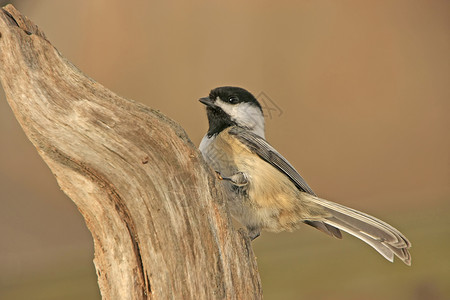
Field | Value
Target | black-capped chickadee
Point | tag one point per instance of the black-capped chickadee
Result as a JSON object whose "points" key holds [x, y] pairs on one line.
{"points": [[265, 191]]}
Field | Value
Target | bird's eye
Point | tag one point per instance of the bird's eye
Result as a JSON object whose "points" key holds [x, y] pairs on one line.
{"points": [[233, 100]]}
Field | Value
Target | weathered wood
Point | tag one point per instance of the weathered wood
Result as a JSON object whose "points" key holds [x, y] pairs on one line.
{"points": [[156, 213]]}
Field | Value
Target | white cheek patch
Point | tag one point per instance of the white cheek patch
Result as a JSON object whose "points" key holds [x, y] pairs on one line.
{"points": [[226, 107], [245, 115]]}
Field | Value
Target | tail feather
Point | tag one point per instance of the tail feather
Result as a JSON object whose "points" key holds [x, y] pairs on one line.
{"points": [[384, 238], [325, 228]]}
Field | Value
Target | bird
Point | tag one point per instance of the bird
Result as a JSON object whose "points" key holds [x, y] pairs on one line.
{"points": [[265, 192]]}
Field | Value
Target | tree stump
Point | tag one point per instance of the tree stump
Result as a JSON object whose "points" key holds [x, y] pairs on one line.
{"points": [[155, 210]]}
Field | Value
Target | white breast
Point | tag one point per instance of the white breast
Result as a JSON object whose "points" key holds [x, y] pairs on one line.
{"points": [[205, 143]]}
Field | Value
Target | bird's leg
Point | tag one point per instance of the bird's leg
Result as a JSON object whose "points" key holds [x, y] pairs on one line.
{"points": [[238, 179]]}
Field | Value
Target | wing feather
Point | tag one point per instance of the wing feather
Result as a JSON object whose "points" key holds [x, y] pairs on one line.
{"points": [[264, 150]]}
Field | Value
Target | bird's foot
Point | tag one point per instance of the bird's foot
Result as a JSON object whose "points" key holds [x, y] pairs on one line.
{"points": [[239, 179]]}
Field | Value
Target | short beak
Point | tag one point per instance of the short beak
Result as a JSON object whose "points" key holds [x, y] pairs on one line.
{"points": [[207, 101]]}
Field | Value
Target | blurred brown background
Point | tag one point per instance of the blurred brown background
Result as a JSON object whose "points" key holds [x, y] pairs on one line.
{"points": [[363, 92]]}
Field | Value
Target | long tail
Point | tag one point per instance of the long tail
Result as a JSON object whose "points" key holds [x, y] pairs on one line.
{"points": [[384, 238]]}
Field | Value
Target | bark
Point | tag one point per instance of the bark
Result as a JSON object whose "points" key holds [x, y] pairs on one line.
{"points": [[156, 211]]}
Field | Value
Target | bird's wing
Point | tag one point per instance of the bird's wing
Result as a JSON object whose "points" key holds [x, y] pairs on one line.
{"points": [[263, 149]]}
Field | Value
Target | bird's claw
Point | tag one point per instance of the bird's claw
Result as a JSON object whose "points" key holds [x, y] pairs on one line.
{"points": [[238, 179], [219, 175]]}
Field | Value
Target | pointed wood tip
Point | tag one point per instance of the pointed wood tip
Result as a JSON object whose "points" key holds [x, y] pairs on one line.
{"points": [[17, 19]]}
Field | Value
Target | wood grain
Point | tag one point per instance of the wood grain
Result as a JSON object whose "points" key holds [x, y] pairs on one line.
{"points": [[156, 212]]}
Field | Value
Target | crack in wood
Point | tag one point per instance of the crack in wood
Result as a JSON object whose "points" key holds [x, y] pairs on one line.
{"points": [[11, 18]]}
